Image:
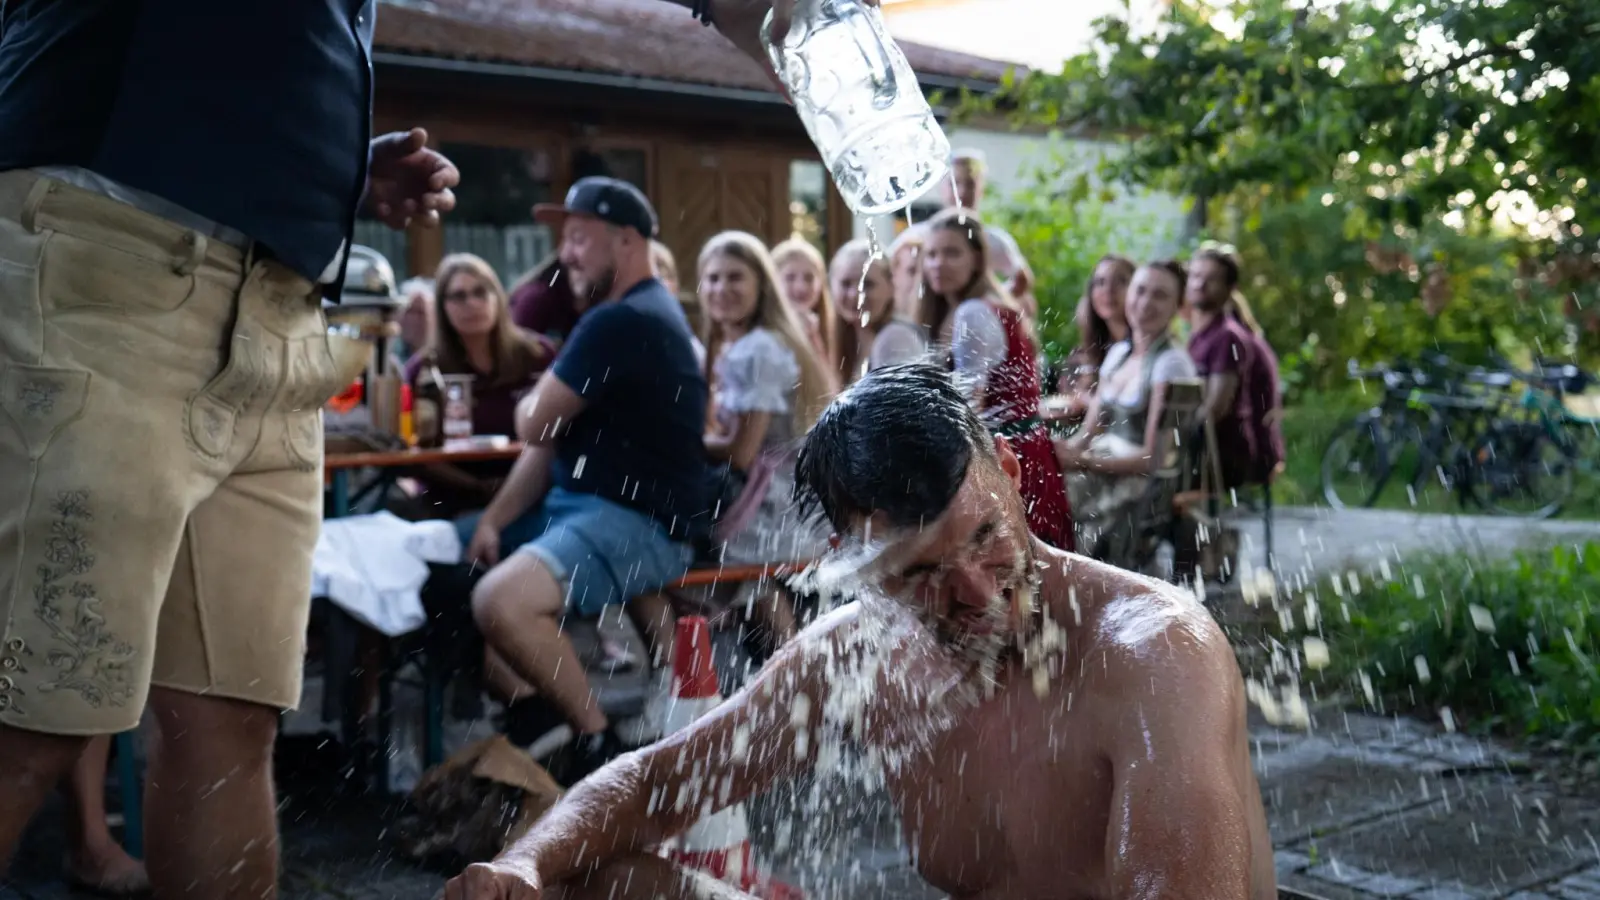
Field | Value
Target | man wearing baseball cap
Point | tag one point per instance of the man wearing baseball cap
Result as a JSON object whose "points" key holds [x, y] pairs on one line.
{"points": [[603, 503]]}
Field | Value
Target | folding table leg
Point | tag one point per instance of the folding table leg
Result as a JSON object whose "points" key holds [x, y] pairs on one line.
{"points": [[132, 790], [1266, 524]]}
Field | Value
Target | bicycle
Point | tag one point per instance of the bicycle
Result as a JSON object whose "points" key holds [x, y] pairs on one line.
{"points": [[1455, 424]]}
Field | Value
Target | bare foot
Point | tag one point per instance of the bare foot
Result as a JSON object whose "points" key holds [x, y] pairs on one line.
{"points": [[110, 872]]}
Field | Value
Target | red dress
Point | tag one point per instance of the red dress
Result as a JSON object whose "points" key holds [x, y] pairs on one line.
{"points": [[1011, 409]]}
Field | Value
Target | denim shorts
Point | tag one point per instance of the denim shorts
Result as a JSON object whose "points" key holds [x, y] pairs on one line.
{"points": [[602, 553]]}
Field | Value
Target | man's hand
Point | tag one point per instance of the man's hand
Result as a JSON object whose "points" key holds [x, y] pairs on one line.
{"points": [[499, 880], [740, 22], [485, 545], [407, 180]]}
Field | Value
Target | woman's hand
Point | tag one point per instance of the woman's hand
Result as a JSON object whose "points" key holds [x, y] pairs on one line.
{"points": [[498, 880], [1070, 454]]}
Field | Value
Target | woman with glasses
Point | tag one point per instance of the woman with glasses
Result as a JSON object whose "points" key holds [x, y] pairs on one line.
{"points": [[472, 335]]}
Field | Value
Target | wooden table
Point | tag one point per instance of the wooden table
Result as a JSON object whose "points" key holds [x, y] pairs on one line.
{"points": [[340, 465]]}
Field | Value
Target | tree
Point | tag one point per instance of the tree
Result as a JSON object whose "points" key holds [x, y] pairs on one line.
{"points": [[1367, 152]]}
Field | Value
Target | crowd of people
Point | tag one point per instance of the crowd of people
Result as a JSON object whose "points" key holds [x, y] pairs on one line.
{"points": [[165, 355], [658, 442]]}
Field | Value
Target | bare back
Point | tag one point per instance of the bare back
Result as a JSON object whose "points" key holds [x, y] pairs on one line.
{"points": [[1100, 776]]}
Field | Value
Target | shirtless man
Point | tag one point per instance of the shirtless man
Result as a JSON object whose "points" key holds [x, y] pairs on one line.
{"points": [[1079, 730]]}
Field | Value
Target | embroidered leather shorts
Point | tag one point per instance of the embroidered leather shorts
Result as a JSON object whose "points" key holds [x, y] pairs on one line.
{"points": [[160, 462]]}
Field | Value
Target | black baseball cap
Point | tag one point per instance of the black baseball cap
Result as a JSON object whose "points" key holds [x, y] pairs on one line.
{"points": [[607, 199]]}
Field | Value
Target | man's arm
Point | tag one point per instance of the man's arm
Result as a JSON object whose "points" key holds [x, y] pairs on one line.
{"points": [[548, 410], [641, 799], [1180, 825], [525, 484], [1222, 389]]}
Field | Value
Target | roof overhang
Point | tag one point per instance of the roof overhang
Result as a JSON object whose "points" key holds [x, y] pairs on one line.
{"points": [[594, 86]]}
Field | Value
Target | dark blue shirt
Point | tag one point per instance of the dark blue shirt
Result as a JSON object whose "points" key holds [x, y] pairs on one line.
{"points": [[254, 114], [639, 440]]}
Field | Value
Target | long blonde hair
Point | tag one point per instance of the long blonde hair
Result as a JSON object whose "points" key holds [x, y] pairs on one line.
{"points": [[844, 345], [772, 312], [516, 355], [798, 249], [934, 310]]}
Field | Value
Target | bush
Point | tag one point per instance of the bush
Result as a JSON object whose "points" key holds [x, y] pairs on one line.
{"points": [[1502, 646], [1063, 230]]}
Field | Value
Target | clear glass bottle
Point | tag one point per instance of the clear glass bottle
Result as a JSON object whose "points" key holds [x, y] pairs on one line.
{"points": [[861, 104]]}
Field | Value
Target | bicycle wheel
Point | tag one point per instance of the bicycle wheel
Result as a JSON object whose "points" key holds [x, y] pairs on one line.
{"points": [[1518, 469], [1357, 463]]}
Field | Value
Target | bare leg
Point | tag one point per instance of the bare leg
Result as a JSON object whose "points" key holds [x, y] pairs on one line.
{"points": [[31, 765], [648, 878], [516, 606], [211, 821], [652, 614], [502, 680], [96, 859]]}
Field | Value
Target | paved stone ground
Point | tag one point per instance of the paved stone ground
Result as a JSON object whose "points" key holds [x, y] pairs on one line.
{"points": [[1360, 807], [1310, 539]]}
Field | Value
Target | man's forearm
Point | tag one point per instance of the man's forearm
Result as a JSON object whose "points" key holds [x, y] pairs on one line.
{"points": [[527, 482], [603, 817]]}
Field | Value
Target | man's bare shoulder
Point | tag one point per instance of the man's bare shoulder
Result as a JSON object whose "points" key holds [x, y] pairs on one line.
{"points": [[1146, 631]]}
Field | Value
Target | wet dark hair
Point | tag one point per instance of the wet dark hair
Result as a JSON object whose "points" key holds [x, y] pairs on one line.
{"points": [[899, 442]]}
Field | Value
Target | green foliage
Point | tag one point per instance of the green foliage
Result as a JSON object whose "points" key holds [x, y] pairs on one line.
{"points": [[1507, 646], [1062, 232], [1349, 149]]}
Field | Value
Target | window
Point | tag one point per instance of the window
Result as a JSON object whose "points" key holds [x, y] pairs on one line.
{"points": [[493, 217], [808, 202], [630, 164]]}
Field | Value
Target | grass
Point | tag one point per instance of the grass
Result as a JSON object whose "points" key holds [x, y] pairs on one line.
{"points": [[1506, 646], [1307, 427]]}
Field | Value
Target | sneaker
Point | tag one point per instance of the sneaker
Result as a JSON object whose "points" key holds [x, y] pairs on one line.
{"points": [[585, 755], [537, 727], [652, 725]]}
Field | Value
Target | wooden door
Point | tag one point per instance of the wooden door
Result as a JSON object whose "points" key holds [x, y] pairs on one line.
{"points": [[706, 190]]}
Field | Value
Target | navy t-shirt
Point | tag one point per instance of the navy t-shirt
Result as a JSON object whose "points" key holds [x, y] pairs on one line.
{"points": [[253, 114], [639, 440]]}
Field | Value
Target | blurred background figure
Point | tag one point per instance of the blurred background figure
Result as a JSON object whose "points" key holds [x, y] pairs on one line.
{"points": [[768, 387], [416, 317], [473, 335], [865, 332], [803, 280]]}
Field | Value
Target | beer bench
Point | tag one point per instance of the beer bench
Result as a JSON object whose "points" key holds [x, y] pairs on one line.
{"points": [[130, 781], [433, 678]]}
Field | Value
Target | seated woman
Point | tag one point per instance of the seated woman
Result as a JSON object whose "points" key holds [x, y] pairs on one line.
{"points": [[1108, 464], [1102, 320], [905, 269], [803, 281], [768, 387], [992, 345], [472, 335], [866, 334]]}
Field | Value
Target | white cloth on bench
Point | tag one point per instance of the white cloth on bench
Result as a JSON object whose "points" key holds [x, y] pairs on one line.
{"points": [[373, 567]]}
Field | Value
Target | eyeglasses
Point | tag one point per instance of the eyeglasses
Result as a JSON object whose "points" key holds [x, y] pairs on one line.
{"points": [[479, 292]]}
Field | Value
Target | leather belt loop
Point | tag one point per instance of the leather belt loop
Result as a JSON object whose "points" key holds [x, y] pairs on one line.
{"points": [[195, 243], [41, 189]]}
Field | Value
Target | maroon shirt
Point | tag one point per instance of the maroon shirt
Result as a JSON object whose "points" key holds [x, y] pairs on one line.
{"points": [[545, 304], [1227, 348], [494, 411], [1265, 398]]}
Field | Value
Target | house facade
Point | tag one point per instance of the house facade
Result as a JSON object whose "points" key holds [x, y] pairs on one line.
{"points": [[527, 96]]}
